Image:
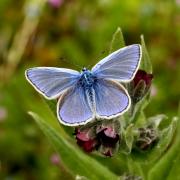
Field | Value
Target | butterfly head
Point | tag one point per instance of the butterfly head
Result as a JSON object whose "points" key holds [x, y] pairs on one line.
{"points": [[84, 69]]}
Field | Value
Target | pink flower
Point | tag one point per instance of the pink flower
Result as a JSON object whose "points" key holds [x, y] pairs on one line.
{"points": [[54, 159], [85, 140], [108, 140], [103, 137], [55, 3]]}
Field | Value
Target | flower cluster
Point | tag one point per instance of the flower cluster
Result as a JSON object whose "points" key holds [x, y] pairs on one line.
{"points": [[104, 137]]}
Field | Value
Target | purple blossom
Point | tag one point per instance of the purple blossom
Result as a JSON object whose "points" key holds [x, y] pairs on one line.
{"points": [[55, 3], [108, 139], [54, 159], [85, 140], [103, 137]]}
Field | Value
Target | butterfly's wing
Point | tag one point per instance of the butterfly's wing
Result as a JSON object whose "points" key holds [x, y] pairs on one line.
{"points": [[111, 99], [50, 81], [121, 65], [73, 108]]}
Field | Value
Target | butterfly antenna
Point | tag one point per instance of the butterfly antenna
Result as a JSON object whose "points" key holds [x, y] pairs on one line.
{"points": [[99, 56], [69, 62]]}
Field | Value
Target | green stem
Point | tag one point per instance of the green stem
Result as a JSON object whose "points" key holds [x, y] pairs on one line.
{"points": [[134, 168]]}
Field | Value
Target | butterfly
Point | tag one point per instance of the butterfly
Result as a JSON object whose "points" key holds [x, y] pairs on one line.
{"points": [[90, 94]]}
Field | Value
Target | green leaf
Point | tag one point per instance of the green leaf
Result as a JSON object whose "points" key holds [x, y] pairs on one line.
{"points": [[165, 166], [52, 105], [128, 138], [76, 161], [135, 168], [156, 120], [145, 61], [174, 172], [137, 109], [117, 40]]}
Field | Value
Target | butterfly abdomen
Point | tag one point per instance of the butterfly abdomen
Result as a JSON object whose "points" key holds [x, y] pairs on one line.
{"points": [[87, 82]]}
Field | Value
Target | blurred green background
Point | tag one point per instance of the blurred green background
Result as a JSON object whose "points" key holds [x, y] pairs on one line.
{"points": [[73, 34]]}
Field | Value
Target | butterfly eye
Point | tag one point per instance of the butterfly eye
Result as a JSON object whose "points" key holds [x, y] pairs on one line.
{"points": [[84, 69]]}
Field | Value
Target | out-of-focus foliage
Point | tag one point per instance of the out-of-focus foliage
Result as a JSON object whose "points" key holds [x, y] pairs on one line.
{"points": [[74, 34]]}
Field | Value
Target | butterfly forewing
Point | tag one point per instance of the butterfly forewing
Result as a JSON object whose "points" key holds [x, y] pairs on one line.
{"points": [[51, 82], [121, 65]]}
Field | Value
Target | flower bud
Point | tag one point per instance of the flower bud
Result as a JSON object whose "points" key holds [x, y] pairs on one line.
{"points": [[130, 177], [142, 75], [147, 138], [103, 136], [140, 85], [86, 139], [108, 137]]}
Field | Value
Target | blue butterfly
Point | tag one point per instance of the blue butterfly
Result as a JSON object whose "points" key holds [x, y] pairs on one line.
{"points": [[88, 95]]}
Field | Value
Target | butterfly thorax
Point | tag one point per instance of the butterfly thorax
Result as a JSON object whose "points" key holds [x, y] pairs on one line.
{"points": [[87, 79]]}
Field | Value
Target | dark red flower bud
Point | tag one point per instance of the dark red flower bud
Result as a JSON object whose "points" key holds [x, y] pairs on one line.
{"points": [[103, 137], [142, 75], [108, 137], [85, 139], [108, 145], [108, 152], [140, 85]]}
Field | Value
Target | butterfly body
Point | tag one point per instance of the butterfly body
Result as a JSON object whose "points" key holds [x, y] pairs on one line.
{"points": [[87, 79], [90, 94]]}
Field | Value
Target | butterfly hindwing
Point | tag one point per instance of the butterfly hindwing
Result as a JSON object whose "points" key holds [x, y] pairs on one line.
{"points": [[73, 107], [111, 99]]}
